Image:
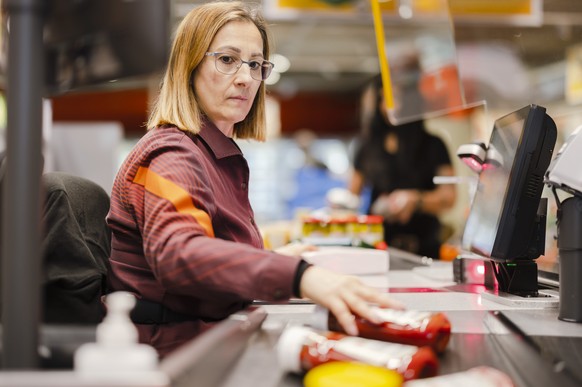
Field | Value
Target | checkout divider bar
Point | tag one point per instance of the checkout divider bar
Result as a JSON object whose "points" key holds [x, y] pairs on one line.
{"points": [[206, 360]]}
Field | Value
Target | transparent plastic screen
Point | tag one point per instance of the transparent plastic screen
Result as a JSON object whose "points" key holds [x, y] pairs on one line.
{"points": [[418, 59]]}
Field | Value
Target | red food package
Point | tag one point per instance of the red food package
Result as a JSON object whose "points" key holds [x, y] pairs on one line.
{"points": [[398, 326], [301, 348]]}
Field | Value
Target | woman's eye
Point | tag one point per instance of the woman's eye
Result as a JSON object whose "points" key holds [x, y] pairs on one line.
{"points": [[254, 65], [226, 59]]}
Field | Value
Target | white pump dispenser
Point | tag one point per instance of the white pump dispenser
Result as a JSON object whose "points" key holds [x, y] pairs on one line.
{"points": [[117, 354]]}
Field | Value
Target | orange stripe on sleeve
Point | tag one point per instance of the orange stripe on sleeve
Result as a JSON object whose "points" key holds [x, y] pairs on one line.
{"points": [[172, 192]]}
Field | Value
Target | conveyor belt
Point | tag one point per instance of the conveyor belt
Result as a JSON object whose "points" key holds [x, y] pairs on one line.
{"points": [[258, 366]]}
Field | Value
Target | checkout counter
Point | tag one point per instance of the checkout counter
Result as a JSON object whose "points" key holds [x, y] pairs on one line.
{"points": [[532, 346]]}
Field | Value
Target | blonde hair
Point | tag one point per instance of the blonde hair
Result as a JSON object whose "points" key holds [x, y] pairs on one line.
{"points": [[177, 102]]}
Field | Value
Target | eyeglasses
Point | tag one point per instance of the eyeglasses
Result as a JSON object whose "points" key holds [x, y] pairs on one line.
{"points": [[230, 64]]}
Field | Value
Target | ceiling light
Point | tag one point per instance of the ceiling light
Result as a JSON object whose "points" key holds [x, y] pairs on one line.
{"points": [[273, 78], [281, 62]]}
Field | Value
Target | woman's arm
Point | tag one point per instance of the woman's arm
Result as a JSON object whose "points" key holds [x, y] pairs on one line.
{"points": [[440, 199], [401, 204]]}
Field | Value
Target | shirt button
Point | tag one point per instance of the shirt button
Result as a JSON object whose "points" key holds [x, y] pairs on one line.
{"points": [[252, 221], [244, 186]]}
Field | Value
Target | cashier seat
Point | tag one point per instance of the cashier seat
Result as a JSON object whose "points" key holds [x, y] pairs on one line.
{"points": [[76, 246]]}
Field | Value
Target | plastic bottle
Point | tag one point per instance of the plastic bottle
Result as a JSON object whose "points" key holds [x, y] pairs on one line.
{"points": [[116, 354], [301, 348], [398, 326]]}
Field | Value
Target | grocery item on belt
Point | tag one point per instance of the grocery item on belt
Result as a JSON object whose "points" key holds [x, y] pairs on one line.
{"points": [[398, 326], [482, 376], [302, 348], [350, 374]]}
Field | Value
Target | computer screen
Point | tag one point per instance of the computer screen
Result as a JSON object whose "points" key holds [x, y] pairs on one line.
{"points": [[502, 224]]}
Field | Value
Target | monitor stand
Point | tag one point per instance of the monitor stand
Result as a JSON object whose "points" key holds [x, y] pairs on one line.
{"points": [[517, 285], [515, 282]]}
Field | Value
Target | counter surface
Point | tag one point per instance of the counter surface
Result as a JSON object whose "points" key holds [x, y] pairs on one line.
{"points": [[537, 349]]}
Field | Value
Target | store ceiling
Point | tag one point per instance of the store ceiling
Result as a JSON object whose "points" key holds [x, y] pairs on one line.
{"points": [[339, 53]]}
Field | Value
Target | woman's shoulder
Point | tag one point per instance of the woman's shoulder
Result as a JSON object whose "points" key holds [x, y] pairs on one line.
{"points": [[165, 133], [163, 140], [165, 137], [159, 149]]}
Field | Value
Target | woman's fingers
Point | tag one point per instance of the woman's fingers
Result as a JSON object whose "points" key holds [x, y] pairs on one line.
{"points": [[384, 300], [345, 296], [295, 249], [344, 316], [362, 299]]}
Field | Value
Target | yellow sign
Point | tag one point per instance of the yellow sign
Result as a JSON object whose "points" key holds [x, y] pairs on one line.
{"points": [[469, 7], [492, 7], [317, 5], [472, 9]]}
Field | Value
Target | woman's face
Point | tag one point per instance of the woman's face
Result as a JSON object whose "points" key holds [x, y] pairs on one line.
{"points": [[227, 98]]}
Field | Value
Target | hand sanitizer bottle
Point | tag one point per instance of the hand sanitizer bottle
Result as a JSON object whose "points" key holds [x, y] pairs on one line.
{"points": [[117, 354]]}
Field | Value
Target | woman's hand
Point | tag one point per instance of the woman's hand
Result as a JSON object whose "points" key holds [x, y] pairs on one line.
{"points": [[344, 296], [398, 206], [405, 202], [295, 249]]}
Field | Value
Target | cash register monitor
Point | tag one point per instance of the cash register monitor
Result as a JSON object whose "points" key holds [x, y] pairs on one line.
{"points": [[504, 224]]}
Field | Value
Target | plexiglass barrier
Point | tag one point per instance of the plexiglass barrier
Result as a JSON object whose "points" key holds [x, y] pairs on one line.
{"points": [[418, 63]]}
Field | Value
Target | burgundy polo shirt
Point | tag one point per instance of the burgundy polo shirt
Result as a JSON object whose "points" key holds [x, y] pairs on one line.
{"points": [[184, 235]]}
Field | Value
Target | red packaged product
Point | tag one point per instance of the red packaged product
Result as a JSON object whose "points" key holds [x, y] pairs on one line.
{"points": [[398, 326], [302, 348]]}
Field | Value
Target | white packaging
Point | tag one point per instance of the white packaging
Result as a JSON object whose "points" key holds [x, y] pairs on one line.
{"points": [[481, 376], [350, 260]]}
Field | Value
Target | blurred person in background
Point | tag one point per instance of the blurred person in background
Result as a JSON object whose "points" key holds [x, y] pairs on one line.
{"points": [[184, 238], [313, 179], [398, 164]]}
